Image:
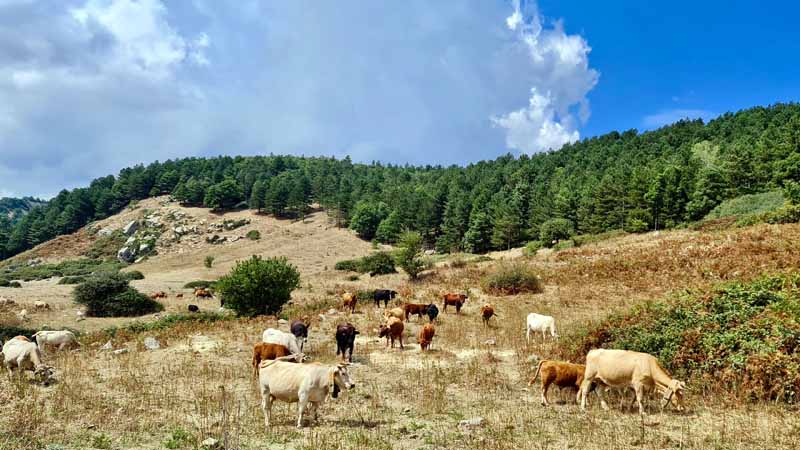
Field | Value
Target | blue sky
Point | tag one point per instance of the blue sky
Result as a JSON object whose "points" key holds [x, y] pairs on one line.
{"points": [[90, 86]]}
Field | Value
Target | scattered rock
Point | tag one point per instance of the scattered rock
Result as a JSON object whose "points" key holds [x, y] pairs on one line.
{"points": [[151, 343], [210, 444], [144, 248], [490, 342], [125, 254], [430, 252], [322, 317], [332, 312], [472, 423], [282, 321], [120, 351], [104, 232], [130, 228], [533, 358], [107, 346], [203, 344]]}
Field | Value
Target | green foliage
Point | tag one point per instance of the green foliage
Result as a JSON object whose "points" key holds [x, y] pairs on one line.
{"points": [[585, 239], [379, 263], [223, 195], [72, 280], [8, 331], [258, 286], [563, 245], [180, 439], [133, 275], [4, 282], [511, 279], [350, 265], [200, 284], [532, 247], [253, 235], [740, 335], [389, 229], [791, 190], [555, 230], [208, 261], [106, 246], [410, 253], [109, 295], [14, 284], [367, 216], [747, 205], [73, 267], [636, 226]]}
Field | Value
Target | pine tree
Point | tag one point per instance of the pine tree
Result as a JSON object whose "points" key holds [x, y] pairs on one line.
{"points": [[257, 194]]}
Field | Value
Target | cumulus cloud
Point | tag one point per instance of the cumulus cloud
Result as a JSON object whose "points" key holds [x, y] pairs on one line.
{"points": [[670, 116], [561, 77]]}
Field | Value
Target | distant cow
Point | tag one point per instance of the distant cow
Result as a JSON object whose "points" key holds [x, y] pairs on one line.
{"points": [[193, 308], [263, 351], [414, 308], [432, 311], [385, 295], [59, 339], [40, 305], [299, 329], [562, 374], [23, 315], [349, 301], [203, 293], [179, 295], [394, 312], [425, 337], [157, 295], [487, 311], [456, 300], [346, 340], [392, 330], [540, 323], [6, 301]]}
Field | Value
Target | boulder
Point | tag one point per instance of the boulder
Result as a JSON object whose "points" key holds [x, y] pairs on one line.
{"points": [[107, 346], [125, 254], [210, 444], [104, 232], [130, 228], [430, 252], [144, 248], [120, 351], [472, 423], [151, 343]]}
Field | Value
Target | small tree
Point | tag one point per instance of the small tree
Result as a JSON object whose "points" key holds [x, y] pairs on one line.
{"points": [[258, 286], [109, 295], [410, 253], [555, 230]]}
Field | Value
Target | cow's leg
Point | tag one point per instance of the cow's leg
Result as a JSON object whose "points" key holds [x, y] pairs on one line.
{"points": [[401, 342], [527, 333], [639, 394], [301, 406], [583, 391], [600, 394], [266, 403], [545, 387]]}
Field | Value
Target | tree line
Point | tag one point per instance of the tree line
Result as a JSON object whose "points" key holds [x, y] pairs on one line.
{"points": [[630, 180]]}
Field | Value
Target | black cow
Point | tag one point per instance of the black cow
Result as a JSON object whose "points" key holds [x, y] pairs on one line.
{"points": [[299, 329], [345, 339], [385, 295], [432, 312], [193, 308]]}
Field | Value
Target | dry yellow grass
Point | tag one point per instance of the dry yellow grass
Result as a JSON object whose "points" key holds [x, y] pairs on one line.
{"points": [[403, 399]]}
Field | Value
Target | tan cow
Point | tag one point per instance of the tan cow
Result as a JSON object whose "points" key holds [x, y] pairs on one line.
{"points": [[425, 337], [394, 312], [349, 301], [624, 368]]}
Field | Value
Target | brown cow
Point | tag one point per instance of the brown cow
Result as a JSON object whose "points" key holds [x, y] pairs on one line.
{"points": [[203, 293], [414, 308], [179, 295], [392, 330], [456, 300], [563, 374], [487, 311], [157, 295], [263, 351], [349, 300], [425, 337]]}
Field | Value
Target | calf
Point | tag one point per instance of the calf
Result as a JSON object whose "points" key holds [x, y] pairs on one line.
{"points": [[299, 329], [414, 308], [349, 301], [385, 295], [394, 312], [487, 311], [263, 351], [346, 340], [40, 305], [59, 339], [539, 322], [425, 337], [157, 295], [392, 330], [194, 308], [203, 293], [562, 374], [456, 300], [432, 312]]}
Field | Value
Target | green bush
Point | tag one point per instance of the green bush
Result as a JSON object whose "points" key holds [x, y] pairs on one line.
{"points": [[208, 261], [532, 247], [563, 245], [201, 284], [258, 286], [73, 267], [787, 214], [8, 331], [555, 230], [107, 246], [109, 295], [350, 265], [751, 204], [4, 282], [585, 239], [14, 284], [72, 280], [253, 235], [511, 279], [133, 275], [380, 263], [409, 257], [636, 226]]}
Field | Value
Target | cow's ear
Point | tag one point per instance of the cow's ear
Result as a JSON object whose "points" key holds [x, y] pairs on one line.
{"points": [[357, 332]]}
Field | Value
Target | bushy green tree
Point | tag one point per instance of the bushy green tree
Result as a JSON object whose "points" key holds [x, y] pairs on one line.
{"points": [[389, 229], [366, 218], [258, 286], [409, 256], [223, 195], [110, 295], [555, 230]]}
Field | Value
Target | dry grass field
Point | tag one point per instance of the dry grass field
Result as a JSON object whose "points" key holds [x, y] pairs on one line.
{"points": [[200, 385]]}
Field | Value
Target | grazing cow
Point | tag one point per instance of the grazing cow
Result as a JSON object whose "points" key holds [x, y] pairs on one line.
{"points": [[432, 311], [203, 293], [288, 340], [346, 339], [392, 330], [349, 301], [385, 295], [299, 329], [180, 295], [624, 368], [562, 374], [300, 383], [487, 311], [456, 300], [6, 301], [414, 308], [59, 339], [539, 322], [40, 305], [425, 337], [394, 312], [263, 351], [193, 308], [157, 295], [22, 354]]}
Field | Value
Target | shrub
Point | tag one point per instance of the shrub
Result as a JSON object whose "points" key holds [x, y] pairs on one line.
{"points": [[511, 279], [202, 284], [14, 284], [258, 286], [72, 280], [253, 235], [555, 230], [532, 247], [750, 204], [208, 261], [10, 330], [563, 245], [380, 263], [109, 295], [350, 265], [352, 278], [409, 255], [458, 262], [4, 282], [107, 246], [133, 275], [787, 214], [636, 226]]}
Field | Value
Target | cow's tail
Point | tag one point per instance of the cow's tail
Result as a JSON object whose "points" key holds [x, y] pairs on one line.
{"points": [[536, 375]]}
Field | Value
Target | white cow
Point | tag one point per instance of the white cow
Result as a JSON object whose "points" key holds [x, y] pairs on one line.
{"points": [[288, 340], [539, 322], [624, 368], [22, 354], [302, 383], [6, 301], [59, 339]]}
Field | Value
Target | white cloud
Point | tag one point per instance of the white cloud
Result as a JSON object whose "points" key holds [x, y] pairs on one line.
{"points": [[562, 78], [670, 116], [26, 78]]}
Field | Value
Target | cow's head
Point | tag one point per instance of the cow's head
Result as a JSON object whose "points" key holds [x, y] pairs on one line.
{"points": [[392, 294], [44, 374], [340, 380], [383, 331], [674, 395]]}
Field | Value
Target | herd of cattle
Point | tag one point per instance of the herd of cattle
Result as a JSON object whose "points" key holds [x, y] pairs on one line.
{"points": [[278, 360]]}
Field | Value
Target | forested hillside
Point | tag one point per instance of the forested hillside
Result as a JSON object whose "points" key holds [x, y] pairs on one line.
{"points": [[12, 209], [638, 182]]}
